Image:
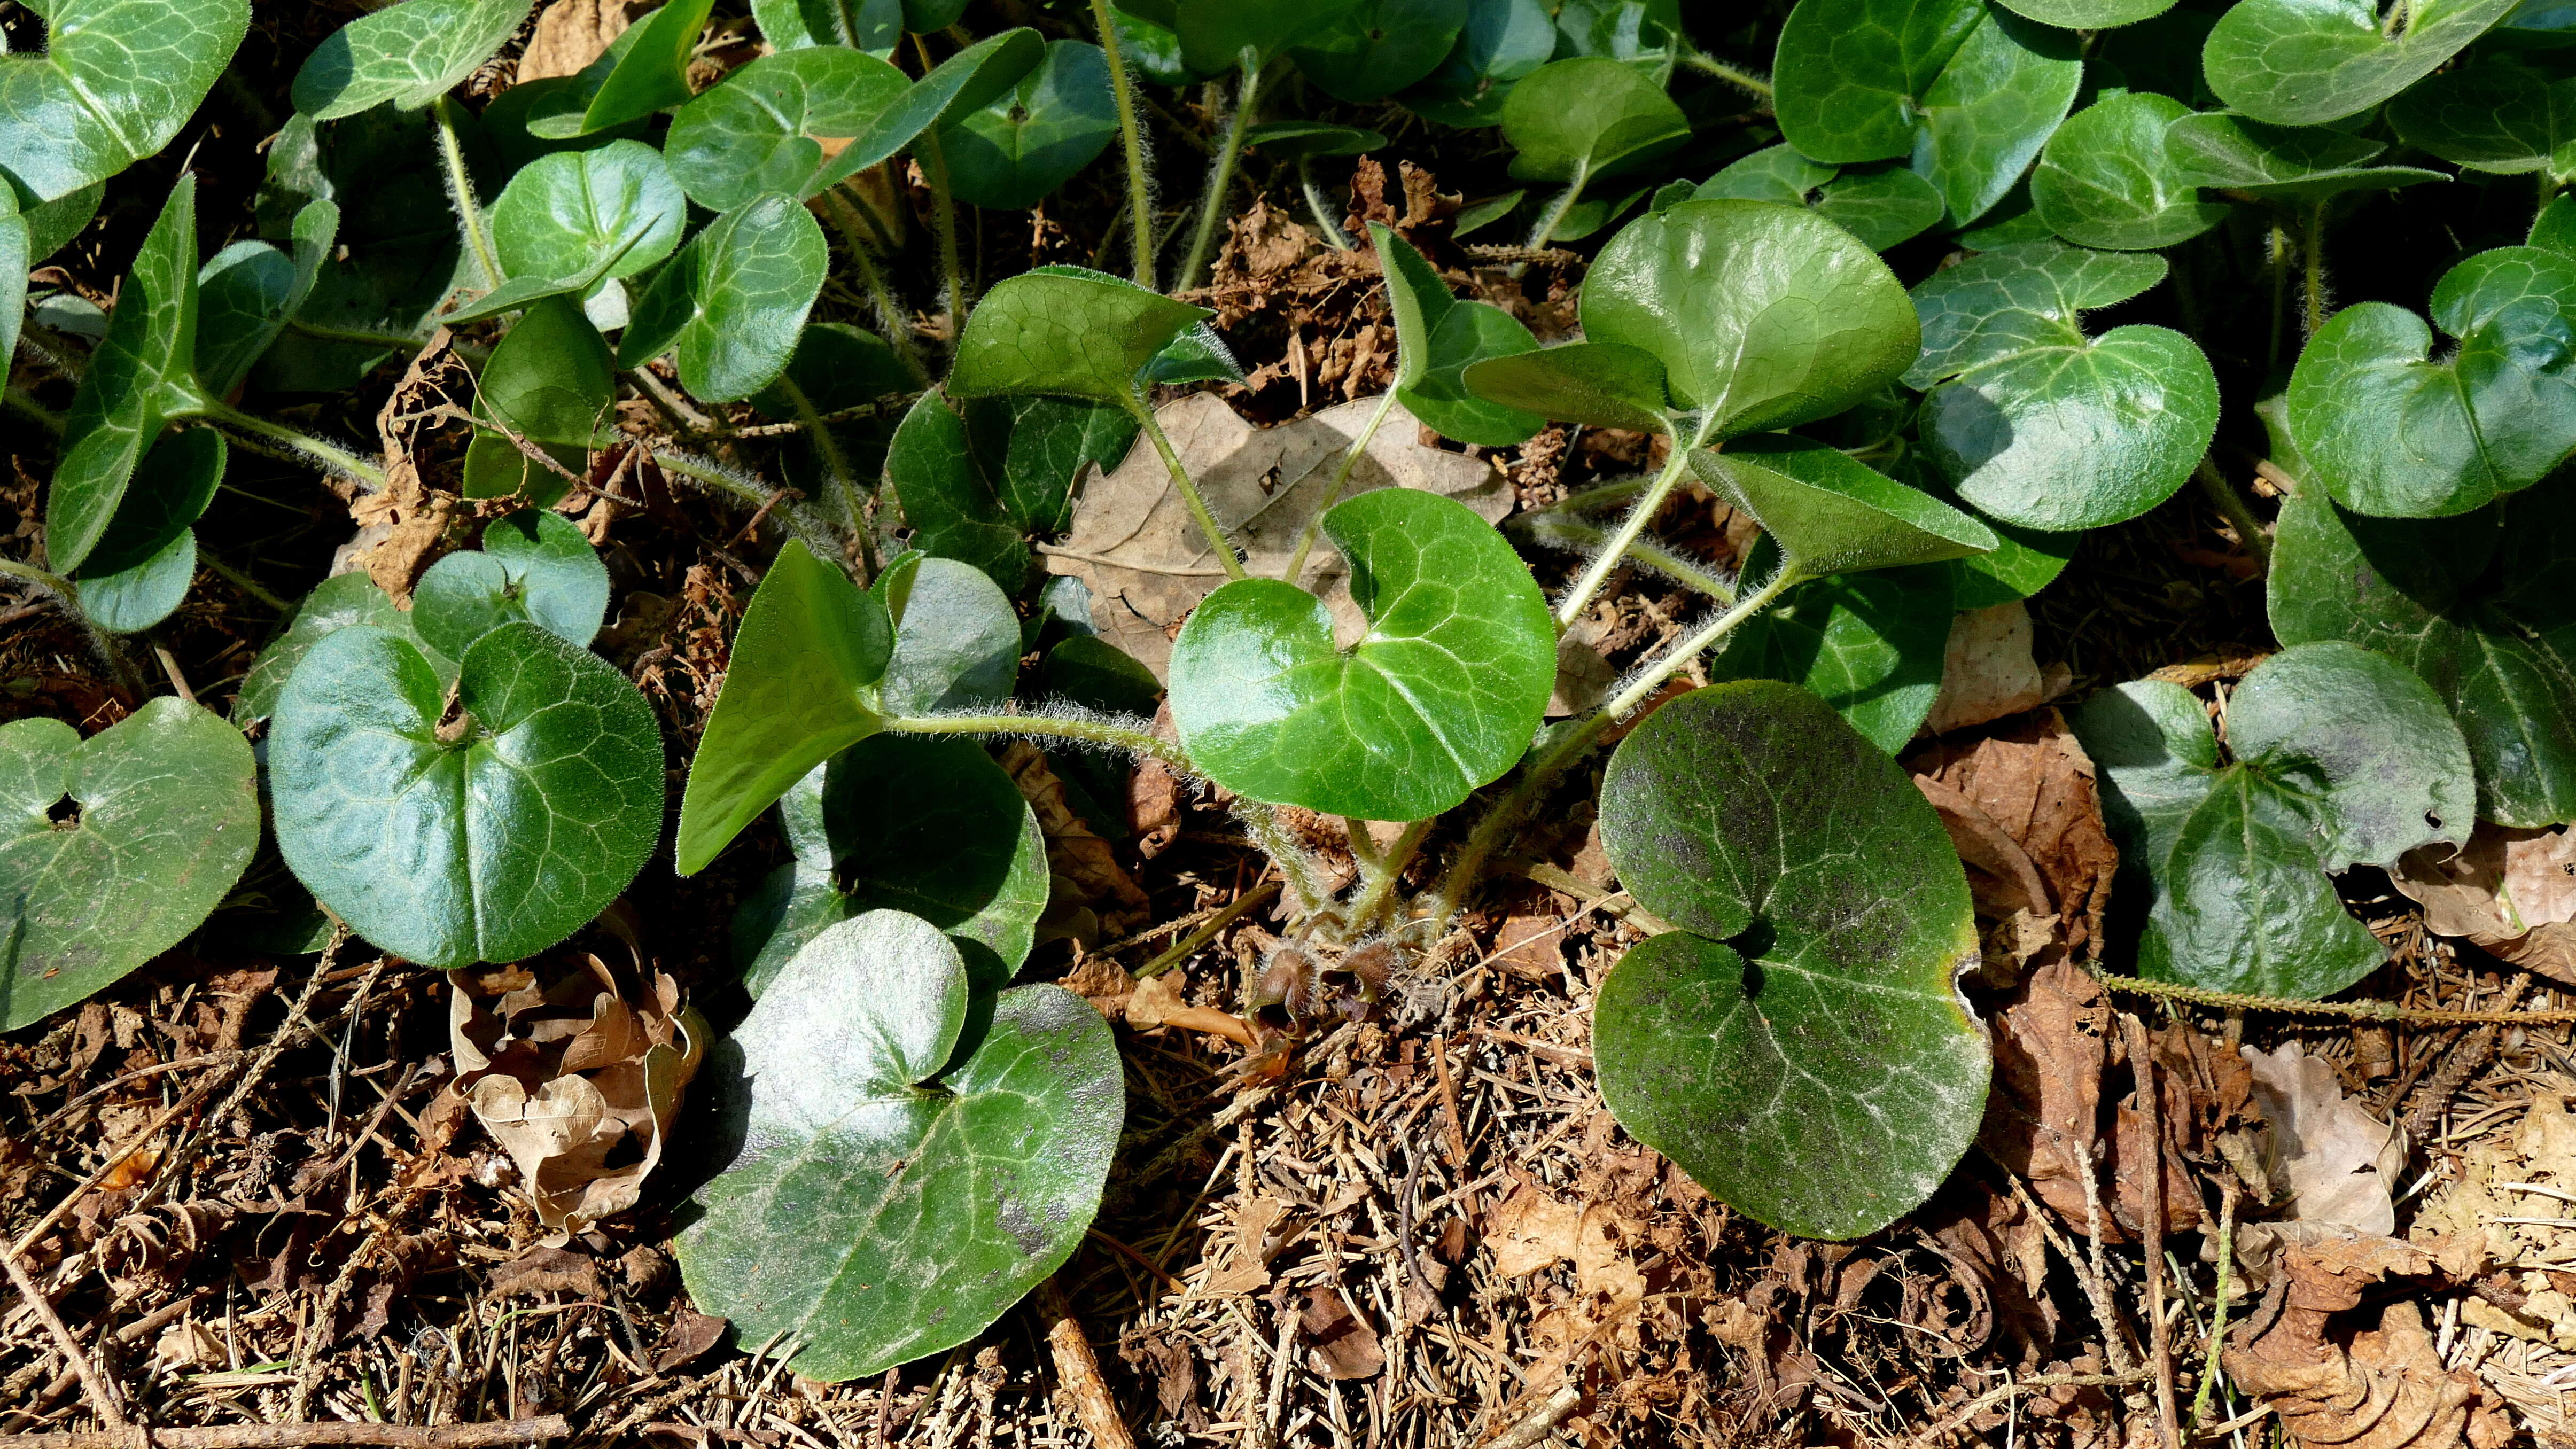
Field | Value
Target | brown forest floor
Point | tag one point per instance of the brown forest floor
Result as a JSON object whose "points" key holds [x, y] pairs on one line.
{"points": [[242, 1182]]}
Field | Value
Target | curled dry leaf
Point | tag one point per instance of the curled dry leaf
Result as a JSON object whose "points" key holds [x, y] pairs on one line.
{"points": [[569, 35], [1339, 1343], [570, 1072], [1134, 543], [2381, 1387], [2022, 807], [1988, 670], [1157, 1001], [2335, 1161], [2512, 892]]}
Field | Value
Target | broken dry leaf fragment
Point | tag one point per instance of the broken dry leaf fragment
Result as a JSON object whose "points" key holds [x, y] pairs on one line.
{"points": [[2512, 892], [2338, 1163]]}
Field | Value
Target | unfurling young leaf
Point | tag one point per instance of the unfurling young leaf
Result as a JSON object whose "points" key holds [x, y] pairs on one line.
{"points": [[116, 81], [914, 1155], [1437, 338], [1436, 701], [1829, 514], [1798, 1046], [2339, 757], [113, 848], [488, 836]]}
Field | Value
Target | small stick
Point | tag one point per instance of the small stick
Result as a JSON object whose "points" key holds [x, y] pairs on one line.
{"points": [[1207, 932], [287, 1436], [1093, 1406], [1449, 1102], [2151, 1233], [2100, 1286], [1539, 1425], [97, 1387]]}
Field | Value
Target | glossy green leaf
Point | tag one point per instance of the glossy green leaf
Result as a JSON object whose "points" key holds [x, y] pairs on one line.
{"points": [[52, 224], [2555, 227], [1572, 120], [489, 841], [2296, 163], [2477, 605], [2306, 62], [1437, 338], [957, 87], [757, 130], [2492, 117], [2392, 430], [1604, 384], [2023, 561], [956, 637], [115, 847], [1375, 48], [875, 26], [1798, 1046], [931, 827], [801, 687], [1502, 41], [409, 54], [2089, 14], [1831, 515], [1437, 700], [653, 72], [1298, 140], [14, 261], [1871, 645], [899, 1180], [563, 215], [247, 292], [1994, 106], [733, 302], [336, 603], [2105, 179], [143, 564], [974, 487], [534, 566], [1032, 138], [550, 377], [2339, 757], [2038, 424], [1881, 205], [1774, 173], [948, 498], [116, 81], [1035, 448], [1066, 331], [1217, 36], [141, 375]]}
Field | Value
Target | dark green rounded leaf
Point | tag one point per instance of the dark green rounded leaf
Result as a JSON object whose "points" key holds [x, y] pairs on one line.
{"points": [[563, 215], [801, 687], [2038, 424], [929, 826], [760, 129], [1439, 698], [52, 224], [652, 73], [116, 81], [1832, 515], [875, 26], [2393, 431], [955, 88], [1799, 1046], [1881, 205], [115, 847], [2105, 179], [1216, 36], [550, 377], [948, 498], [1502, 41], [901, 1179], [1067, 331], [1871, 646], [1437, 338], [2477, 605], [2090, 14], [956, 637], [535, 566], [491, 847], [409, 54], [733, 302], [1774, 173], [2297, 163], [1572, 120], [1032, 138], [143, 565], [247, 292], [2492, 117], [1605, 384], [2306, 62], [2340, 756], [1375, 48]]}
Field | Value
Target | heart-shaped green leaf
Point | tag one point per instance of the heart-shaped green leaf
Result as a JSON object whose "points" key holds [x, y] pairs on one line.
{"points": [[1032, 138], [1798, 1047], [1881, 205], [1502, 41], [1375, 48], [550, 377], [932, 827], [1832, 515], [955, 88], [335, 604], [974, 487], [1438, 699], [248, 291], [143, 564], [2090, 14], [800, 689], [948, 499], [2038, 424], [2297, 163], [1969, 91], [1572, 120], [901, 1180], [1774, 173], [409, 54], [1871, 645], [2492, 117], [562, 215], [117, 80], [2392, 431], [652, 73], [956, 637], [142, 374], [1067, 331], [534, 566], [2340, 757], [732, 303], [875, 26], [2306, 62], [757, 130], [1437, 338], [486, 839], [115, 847], [2476, 605], [2106, 180]]}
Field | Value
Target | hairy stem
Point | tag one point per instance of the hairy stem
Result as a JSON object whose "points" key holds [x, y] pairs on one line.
{"points": [[1189, 491], [800, 520], [366, 337], [1744, 80], [1558, 530], [890, 316], [1598, 572], [1547, 224], [1325, 222], [1101, 732], [836, 464], [2350, 1010], [67, 594], [2240, 514], [2312, 263], [43, 416], [1651, 678], [332, 457], [1140, 180], [1296, 866], [241, 581], [943, 211], [1221, 177], [1341, 480], [460, 194], [1380, 874]]}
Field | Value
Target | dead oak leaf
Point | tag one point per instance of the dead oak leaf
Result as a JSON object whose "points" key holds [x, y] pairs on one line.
{"points": [[2511, 892]]}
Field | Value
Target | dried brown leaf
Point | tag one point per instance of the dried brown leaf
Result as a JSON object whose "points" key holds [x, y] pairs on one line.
{"points": [[2512, 892], [1988, 671], [2030, 786], [569, 35], [2337, 1162], [1339, 1345]]}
